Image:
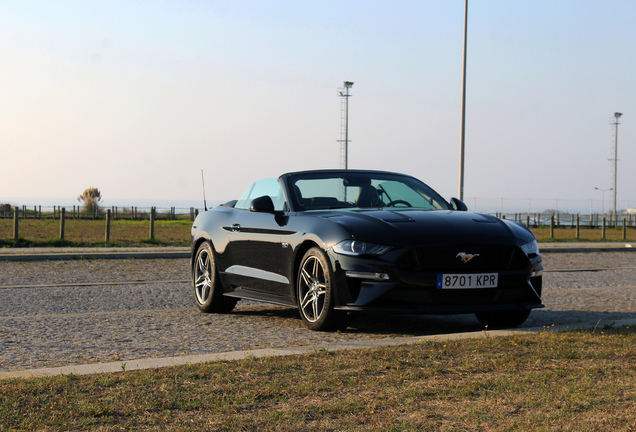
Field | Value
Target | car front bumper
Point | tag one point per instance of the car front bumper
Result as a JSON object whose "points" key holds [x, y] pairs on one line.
{"points": [[367, 284]]}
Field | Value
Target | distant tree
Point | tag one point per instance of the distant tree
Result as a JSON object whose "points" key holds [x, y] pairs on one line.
{"points": [[91, 198]]}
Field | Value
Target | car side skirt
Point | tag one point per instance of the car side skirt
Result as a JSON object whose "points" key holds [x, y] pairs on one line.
{"points": [[259, 296]]}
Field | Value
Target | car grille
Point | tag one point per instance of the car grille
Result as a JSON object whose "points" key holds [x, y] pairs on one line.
{"points": [[445, 259]]}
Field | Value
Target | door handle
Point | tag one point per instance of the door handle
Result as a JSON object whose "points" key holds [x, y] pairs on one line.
{"points": [[236, 227]]}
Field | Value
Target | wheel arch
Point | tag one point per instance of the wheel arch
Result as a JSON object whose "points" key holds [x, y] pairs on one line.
{"points": [[195, 247]]}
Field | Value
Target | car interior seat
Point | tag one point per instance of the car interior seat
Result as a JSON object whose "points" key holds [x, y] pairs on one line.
{"points": [[368, 197]]}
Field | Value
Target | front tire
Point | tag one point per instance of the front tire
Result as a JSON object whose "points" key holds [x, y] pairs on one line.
{"points": [[503, 319], [315, 291], [208, 292]]}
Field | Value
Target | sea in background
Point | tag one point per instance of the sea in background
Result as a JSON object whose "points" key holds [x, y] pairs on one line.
{"points": [[481, 205]]}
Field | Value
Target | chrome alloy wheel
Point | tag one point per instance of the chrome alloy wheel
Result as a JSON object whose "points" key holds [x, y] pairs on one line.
{"points": [[202, 276], [208, 291], [312, 289]]}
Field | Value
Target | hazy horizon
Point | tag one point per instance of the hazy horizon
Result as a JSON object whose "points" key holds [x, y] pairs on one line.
{"points": [[483, 204]]}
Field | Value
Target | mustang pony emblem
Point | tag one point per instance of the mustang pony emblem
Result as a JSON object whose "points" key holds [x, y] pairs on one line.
{"points": [[466, 257]]}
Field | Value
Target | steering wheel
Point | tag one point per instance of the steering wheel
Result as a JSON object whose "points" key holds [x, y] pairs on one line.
{"points": [[393, 203]]}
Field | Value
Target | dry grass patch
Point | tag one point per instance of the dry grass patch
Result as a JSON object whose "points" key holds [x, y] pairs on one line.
{"points": [[548, 381], [585, 234]]}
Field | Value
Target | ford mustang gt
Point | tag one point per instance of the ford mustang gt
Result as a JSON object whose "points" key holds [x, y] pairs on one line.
{"points": [[333, 242]]}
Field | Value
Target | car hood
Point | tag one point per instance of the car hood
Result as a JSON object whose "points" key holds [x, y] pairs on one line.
{"points": [[408, 227]]}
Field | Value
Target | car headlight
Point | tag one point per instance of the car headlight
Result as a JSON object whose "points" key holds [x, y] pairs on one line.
{"points": [[356, 248], [531, 248]]}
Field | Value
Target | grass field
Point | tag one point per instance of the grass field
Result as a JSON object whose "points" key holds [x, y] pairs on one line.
{"points": [[584, 380], [46, 232], [586, 234]]}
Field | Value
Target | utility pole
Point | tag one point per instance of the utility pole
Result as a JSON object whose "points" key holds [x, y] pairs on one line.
{"points": [[617, 115], [344, 124], [463, 126]]}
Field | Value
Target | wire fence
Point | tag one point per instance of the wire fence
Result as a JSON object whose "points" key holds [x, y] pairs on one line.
{"points": [[552, 218], [116, 212], [565, 212], [559, 212]]}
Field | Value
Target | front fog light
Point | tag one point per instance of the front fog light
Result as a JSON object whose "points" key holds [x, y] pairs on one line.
{"points": [[368, 275]]}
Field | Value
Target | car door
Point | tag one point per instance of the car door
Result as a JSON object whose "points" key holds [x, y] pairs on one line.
{"points": [[255, 244]]}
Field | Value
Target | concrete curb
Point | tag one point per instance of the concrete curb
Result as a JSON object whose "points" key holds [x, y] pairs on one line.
{"points": [[154, 363], [65, 254], [93, 256], [585, 247], [51, 254]]}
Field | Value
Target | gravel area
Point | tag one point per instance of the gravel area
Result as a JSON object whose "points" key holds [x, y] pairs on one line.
{"points": [[56, 313]]}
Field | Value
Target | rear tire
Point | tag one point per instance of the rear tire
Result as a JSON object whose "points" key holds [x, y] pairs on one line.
{"points": [[315, 287], [503, 319], [208, 292]]}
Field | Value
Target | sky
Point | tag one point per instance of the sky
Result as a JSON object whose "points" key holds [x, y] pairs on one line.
{"points": [[137, 97]]}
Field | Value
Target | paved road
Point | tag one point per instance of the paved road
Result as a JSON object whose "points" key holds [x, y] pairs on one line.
{"points": [[56, 313]]}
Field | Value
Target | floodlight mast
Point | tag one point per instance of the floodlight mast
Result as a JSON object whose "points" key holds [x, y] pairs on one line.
{"points": [[344, 124]]}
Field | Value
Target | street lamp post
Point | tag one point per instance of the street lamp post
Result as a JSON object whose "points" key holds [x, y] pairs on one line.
{"points": [[603, 202]]}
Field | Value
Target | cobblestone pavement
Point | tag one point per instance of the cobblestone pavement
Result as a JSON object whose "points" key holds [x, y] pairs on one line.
{"points": [[56, 313]]}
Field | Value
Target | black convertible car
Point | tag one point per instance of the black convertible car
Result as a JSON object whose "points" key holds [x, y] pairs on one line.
{"points": [[333, 242]]}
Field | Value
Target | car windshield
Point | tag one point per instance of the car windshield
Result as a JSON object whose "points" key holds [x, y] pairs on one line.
{"points": [[266, 187], [355, 189]]}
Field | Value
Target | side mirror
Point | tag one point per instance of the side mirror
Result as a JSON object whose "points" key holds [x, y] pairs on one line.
{"points": [[458, 204], [262, 204]]}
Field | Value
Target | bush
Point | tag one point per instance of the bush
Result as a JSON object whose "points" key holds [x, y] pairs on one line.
{"points": [[91, 198]]}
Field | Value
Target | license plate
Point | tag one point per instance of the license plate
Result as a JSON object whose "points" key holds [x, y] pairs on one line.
{"points": [[463, 281]]}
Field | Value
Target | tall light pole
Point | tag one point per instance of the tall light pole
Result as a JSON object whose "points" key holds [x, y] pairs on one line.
{"points": [[344, 124], [603, 202], [617, 115], [463, 126]]}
